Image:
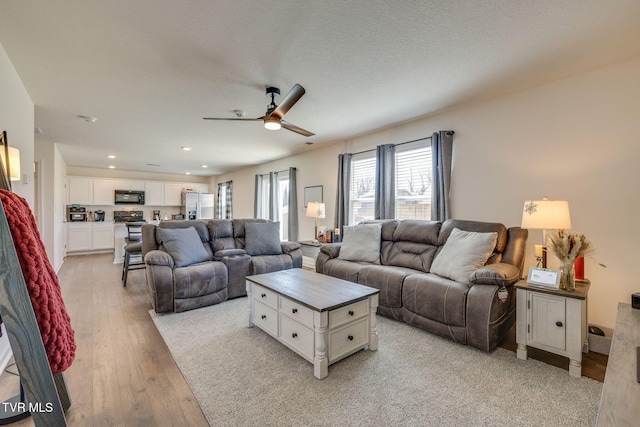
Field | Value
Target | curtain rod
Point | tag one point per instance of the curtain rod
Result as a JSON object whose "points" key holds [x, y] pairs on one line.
{"points": [[401, 143]]}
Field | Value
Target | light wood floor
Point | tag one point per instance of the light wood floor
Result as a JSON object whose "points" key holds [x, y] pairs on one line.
{"points": [[123, 374]]}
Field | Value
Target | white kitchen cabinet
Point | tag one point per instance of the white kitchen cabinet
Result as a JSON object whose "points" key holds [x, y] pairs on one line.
{"points": [[102, 237], [154, 193], [79, 190], [103, 192], [136, 185], [79, 236], [552, 320], [89, 236], [173, 193]]}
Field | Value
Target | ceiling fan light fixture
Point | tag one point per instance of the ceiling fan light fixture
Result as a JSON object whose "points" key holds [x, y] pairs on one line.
{"points": [[272, 124]]}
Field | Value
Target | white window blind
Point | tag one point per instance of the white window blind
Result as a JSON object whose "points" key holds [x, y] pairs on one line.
{"points": [[413, 182], [362, 189]]}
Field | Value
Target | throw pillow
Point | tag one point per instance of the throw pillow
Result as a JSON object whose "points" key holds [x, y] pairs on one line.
{"points": [[262, 238], [183, 244], [463, 253], [361, 243]]}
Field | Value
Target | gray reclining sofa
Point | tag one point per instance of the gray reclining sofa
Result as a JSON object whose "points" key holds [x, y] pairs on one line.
{"points": [[468, 310], [195, 263]]}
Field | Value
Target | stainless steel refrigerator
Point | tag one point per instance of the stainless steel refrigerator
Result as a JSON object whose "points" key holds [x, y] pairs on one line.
{"points": [[197, 205]]}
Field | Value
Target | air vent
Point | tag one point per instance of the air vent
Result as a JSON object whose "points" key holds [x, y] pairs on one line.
{"points": [[38, 131]]}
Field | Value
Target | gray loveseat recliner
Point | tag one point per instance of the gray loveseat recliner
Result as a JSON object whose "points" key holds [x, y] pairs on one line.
{"points": [[223, 263], [470, 313]]}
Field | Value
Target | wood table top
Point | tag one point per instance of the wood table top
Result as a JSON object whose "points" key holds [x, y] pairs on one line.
{"points": [[314, 290]]}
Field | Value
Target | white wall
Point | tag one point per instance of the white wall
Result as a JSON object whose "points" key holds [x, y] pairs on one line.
{"points": [[17, 118], [575, 139]]}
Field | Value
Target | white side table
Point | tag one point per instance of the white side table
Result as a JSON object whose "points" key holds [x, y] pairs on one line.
{"points": [[554, 321], [310, 250]]}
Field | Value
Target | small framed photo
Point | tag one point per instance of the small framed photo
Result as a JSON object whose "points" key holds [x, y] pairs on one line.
{"points": [[544, 277]]}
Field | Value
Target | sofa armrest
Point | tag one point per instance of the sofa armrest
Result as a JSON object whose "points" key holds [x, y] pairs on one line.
{"points": [[226, 253], [159, 274], [331, 249], [289, 246], [158, 257], [497, 274]]}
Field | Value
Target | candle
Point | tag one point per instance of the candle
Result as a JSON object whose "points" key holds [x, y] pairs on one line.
{"points": [[538, 250]]}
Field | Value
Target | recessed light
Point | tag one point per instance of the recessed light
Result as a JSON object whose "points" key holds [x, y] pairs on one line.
{"points": [[111, 156], [186, 148], [187, 173], [205, 166], [111, 167]]}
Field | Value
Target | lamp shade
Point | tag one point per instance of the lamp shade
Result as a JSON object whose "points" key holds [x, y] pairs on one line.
{"points": [[546, 215], [14, 163], [315, 210]]}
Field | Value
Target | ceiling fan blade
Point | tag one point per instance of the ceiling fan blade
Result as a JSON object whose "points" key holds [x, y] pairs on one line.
{"points": [[232, 118], [295, 129], [288, 101]]}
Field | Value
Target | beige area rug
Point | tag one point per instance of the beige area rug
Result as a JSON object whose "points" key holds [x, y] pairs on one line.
{"points": [[243, 377]]}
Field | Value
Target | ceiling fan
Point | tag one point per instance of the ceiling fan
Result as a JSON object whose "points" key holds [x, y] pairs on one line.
{"points": [[273, 117]]}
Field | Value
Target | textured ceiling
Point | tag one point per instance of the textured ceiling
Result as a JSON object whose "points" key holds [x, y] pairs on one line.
{"points": [[149, 70]]}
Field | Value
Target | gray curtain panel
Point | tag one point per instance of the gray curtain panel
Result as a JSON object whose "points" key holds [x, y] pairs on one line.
{"points": [[385, 196], [227, 211], [257, 207], [293, 206], [273, 196], [441, 154], [342, 197]]}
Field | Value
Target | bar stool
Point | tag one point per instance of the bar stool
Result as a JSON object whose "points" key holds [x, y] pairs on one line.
{"points": [[133, 249]]}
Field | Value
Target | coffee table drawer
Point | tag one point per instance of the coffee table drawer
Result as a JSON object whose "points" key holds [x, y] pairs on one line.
{"points": [[348, 313], [266, 318], [296, 311], [346, 340], [298, 337], [265, 296]]}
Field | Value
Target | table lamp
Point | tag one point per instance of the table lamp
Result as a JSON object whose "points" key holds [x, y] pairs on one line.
{"points": [[545, 215], [315, 210]]}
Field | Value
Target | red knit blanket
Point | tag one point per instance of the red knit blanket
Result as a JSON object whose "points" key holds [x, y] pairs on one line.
{"points": [[42, 283]]}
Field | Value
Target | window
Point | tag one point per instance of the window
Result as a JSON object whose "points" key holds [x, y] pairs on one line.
{"points": [[413, 182], [413, 177], [281, 197], [362, 188]]}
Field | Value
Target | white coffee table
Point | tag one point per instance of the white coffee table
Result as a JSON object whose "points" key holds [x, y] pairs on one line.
{"points": [[322, 318]]}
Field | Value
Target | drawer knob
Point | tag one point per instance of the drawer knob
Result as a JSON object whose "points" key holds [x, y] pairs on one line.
{"points": [[264, 316], [294, 335], [294, 310], [350, 337], [350, 312], [263, 295], [559, 324]]}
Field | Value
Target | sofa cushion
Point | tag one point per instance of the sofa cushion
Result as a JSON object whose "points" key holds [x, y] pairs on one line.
{"points": [[262, 238], [184, 245], [413, 245], [361, 243], [269, 263], [199, 279], [463, 253], [435, 298], [388, 280]]}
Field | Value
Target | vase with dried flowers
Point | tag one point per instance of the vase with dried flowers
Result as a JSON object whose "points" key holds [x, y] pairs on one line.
{"points": [[567, 247]]}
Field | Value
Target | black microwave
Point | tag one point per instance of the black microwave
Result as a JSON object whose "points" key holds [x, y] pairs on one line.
{"points": [[129, 197]]}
